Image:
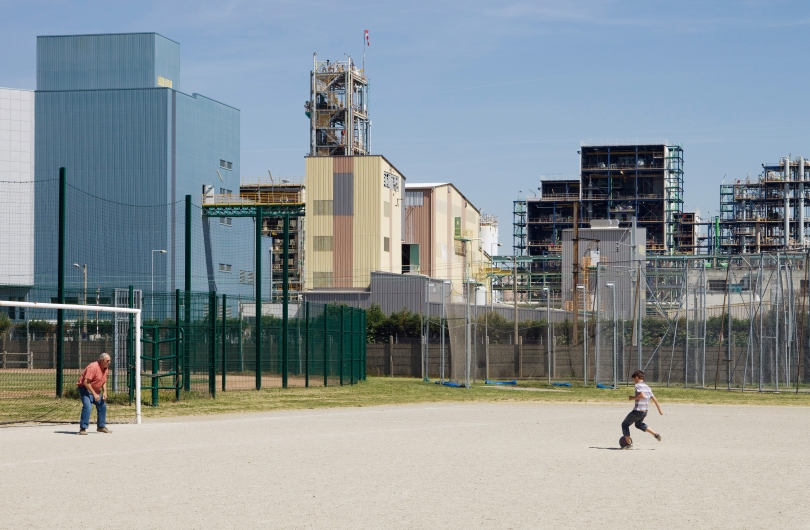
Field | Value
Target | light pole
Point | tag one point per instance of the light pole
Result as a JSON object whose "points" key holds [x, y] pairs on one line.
{"points": [[584, 337], [548, 330], [612, 287], [153, 280], [84, 302]]}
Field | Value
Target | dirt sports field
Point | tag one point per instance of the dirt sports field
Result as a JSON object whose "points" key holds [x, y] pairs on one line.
{"points": [[507, 465]]}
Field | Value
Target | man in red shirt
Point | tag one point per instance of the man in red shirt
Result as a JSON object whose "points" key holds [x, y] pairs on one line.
{"points": [[93, 382]]}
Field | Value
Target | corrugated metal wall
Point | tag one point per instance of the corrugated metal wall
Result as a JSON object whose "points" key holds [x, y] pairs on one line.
{"points": [[343, 212], [93, 62], [319, 181], [418, 229]]}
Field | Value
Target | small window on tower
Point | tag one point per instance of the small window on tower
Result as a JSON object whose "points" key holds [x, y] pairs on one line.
{"points": [[386, 244]]}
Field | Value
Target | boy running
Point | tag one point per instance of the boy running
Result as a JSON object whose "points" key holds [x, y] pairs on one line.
{"points": [[642, 398]]}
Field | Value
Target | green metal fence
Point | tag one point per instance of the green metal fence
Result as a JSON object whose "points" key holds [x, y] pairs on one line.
{"points": [[192, 342]]}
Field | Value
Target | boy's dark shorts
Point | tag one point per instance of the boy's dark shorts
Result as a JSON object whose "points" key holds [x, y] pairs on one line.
{"points": [[637, 417]]}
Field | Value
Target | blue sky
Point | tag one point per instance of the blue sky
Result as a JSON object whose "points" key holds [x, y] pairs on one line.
{"points": [[488, 95]]}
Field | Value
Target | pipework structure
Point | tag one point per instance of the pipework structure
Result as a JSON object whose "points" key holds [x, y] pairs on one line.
{"points": [[338, 109], [768, 213]]}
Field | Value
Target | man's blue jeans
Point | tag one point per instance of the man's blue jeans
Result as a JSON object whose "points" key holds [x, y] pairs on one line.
{"points": [[87, 404]]}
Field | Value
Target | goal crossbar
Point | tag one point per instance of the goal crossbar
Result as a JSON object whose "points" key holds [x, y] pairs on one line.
{"points": [[102, 308]]}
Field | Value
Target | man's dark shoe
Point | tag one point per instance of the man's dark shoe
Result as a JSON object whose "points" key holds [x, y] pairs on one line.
{"points": [[83, 432]]}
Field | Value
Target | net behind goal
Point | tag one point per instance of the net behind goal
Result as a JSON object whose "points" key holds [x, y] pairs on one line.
{"points": [[38, 380]]}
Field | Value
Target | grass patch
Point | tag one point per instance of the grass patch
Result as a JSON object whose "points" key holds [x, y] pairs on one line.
{"points": [[379, 391]]}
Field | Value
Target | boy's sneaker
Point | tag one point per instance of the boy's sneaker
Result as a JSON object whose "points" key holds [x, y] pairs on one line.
{"points": [[83, 432], [658, 436], [104, 430], [628, 446]]}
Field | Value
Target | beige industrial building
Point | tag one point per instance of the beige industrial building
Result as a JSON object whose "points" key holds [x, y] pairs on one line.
{"points": [[446, 228], [354, 220]]}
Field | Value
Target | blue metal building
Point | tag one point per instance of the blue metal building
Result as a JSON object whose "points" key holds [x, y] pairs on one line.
{"points": [[110, 110]]}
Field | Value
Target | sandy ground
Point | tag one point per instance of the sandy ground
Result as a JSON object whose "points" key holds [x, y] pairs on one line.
{"points": [[441, 466]]}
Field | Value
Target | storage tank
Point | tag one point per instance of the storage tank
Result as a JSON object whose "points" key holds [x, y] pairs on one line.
{"points": [[489, 234]]}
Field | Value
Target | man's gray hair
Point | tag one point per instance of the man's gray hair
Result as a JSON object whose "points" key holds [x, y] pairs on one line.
{"points": [[104, 356]]}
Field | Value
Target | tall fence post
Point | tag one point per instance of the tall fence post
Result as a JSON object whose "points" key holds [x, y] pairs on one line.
{"points": [[391, 355], [60, 313], [212, 343], [342, 331], [224, 336], [131, 346], [306, 344], [258, 305], [187, 308], [365, 343], [285, 309], [325, 345], [178, 345]]}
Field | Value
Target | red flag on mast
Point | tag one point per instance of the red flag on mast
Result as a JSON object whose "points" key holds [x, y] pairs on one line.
{"points": [[365, 32]]}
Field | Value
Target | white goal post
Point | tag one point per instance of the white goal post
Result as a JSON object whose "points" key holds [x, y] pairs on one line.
{"points": [[100, 308]]}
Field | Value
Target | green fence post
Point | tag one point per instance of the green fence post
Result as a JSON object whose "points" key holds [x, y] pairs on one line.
{"points": [[364, 341], [224, 336], [306, 345], [342, 336], [212, 344], [241, 350], [178, 346], [131, 347], [187, 309], [352, 349], [155, 365], [285, 309], [325, 345], [60, 313], [258, 305]]}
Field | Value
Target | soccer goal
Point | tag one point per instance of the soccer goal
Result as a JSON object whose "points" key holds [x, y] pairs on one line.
{"points": [[32, 372]]}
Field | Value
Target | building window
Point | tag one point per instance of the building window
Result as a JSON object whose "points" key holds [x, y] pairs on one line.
{"points": [[246, 277], [226, 221], [162, 81], [386, 209], [323, 207], [391, 181], [414, 198], [224, 267], [717, 285], [322, 243], [224, 164], [322, 279], [223, 191], [386, 244]]}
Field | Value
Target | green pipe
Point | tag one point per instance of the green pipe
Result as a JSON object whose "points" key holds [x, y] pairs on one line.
{"points": [[224, 336], [258, 304], [60, 314]]}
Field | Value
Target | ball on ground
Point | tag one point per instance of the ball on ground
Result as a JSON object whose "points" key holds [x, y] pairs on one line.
{"points": [[623, 442]]}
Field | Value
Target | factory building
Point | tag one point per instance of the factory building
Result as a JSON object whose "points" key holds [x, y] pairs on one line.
{"points": [[111, 111], [354, 220], [620, 182], [767, 213], [444, 229]]}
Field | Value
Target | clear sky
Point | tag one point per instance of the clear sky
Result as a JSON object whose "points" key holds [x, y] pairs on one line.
{"points": [[488, 95]]}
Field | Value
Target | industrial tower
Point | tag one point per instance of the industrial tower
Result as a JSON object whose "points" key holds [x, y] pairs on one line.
{"points": [[338, 109]]}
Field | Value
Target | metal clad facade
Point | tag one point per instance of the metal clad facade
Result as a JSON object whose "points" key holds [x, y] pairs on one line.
{"points": [[141, 148], [356, 221], [418, 228], [113, 61]]}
